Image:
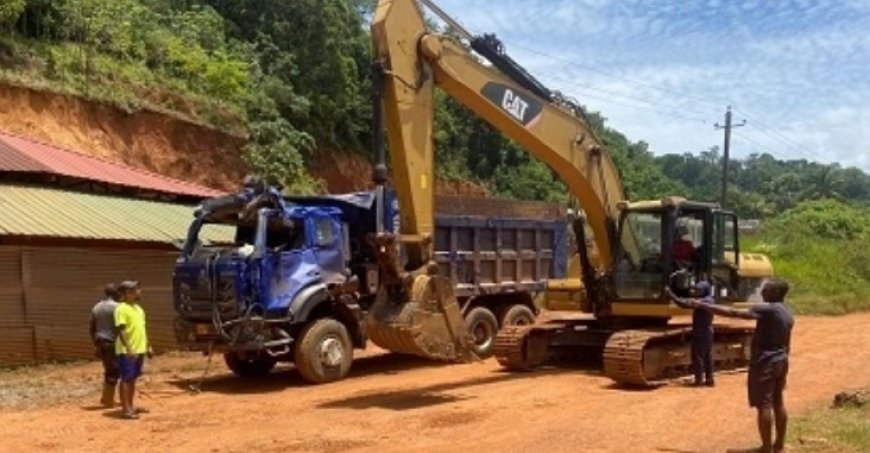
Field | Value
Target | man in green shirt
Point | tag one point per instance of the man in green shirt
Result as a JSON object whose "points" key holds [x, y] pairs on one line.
{"points": [[131, 344]]}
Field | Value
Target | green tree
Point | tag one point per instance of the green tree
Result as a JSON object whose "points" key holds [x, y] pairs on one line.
{"points": [[10, 11]]}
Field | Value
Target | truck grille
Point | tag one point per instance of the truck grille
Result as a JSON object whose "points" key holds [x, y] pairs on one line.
{"points": [[196, 299]]}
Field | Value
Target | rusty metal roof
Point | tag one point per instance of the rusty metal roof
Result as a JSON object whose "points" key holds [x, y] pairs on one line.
{"points": [[44, 212], [21, 155]]}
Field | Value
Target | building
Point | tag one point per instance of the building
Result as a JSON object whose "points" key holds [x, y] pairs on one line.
{"points": [[69, 224]]}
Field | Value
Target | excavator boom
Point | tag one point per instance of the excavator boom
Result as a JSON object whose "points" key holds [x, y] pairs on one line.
{"points": [[415, 61], [415, 311]]}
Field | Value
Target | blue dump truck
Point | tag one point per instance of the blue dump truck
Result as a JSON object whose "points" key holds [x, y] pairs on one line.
{"points": [[297, 278]]}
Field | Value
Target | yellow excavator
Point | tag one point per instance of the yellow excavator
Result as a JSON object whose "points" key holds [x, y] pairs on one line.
{"points": [[626, 251]]}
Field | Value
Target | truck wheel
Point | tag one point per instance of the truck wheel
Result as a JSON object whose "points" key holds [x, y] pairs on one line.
{"points": [[248, 366], [483, 326], [324, 351], [517, 315]]}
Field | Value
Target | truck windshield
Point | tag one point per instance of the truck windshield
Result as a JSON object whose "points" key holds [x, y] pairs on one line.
{"points": [[639, 267], [205, 238]]}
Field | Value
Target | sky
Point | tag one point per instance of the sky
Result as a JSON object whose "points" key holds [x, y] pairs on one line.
{"points": [[663, 71]]}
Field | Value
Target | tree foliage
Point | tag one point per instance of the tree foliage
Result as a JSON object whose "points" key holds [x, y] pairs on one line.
{"points": [[294, 76]]}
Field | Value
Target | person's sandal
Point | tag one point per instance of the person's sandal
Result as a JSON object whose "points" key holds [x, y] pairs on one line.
{"points": [[131, 416]]}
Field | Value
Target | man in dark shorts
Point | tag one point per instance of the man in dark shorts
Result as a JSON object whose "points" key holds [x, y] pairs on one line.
{"points": [[768, 365], [702, 333], [102, 330]]}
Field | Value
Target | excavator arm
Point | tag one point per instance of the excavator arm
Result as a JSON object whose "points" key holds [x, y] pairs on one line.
{"points": [[414, 61]]}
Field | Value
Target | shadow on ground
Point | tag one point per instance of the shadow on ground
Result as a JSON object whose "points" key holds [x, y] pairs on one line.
{"points": [[431, 395], [222, 381]]}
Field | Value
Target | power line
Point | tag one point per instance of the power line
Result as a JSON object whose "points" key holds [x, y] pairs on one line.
{"points": [[779, 137], [615, 76], [760, 145], [670, 113]]}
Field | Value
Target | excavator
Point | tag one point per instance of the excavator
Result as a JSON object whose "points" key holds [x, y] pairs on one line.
{"points": [[624, 256]]}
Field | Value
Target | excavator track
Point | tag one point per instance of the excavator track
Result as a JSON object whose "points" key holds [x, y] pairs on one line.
{"points": [[632, 357], [646, 357], [509, 347], [522, 348]]}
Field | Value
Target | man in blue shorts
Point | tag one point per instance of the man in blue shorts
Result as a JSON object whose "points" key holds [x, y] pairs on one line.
{"points": [[131, 345], [768, 366]]}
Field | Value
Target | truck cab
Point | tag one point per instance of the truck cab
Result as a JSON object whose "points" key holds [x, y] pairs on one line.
{"points": [[281, 291]]}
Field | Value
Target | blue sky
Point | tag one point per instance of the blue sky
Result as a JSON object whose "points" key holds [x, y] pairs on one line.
{"points": [[662, 71]]}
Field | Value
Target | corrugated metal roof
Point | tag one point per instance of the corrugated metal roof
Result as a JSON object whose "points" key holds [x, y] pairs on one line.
{"points": [[18, 154], [36, 211]]}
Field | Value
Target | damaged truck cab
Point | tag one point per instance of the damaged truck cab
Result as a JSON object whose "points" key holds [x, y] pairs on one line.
{"points": [[281, 291]]}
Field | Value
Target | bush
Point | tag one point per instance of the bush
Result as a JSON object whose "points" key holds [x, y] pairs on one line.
{"points": [[821, 248]]}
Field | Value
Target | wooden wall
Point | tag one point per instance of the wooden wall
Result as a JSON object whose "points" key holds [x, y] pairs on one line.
{"points": [[46, 295]]}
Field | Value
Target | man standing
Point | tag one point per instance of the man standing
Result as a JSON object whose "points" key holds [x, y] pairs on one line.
{"points": [[768, 365], [702, 334], [131, 344], [102, 329]]}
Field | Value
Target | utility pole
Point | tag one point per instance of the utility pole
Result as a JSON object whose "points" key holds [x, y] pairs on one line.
{"points": [[728, 126]]}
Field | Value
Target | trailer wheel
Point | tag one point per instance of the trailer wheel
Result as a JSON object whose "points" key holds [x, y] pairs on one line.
{"points": [[517, 315], [249, 366], [483, 326], [324, 352]]}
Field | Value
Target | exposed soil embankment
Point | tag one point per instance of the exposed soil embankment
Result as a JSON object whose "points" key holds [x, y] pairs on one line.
{"points": [[164, 144]]}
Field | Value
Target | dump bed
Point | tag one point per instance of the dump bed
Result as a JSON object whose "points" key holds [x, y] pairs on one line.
{"points": [[485, 245], [499, 246]]}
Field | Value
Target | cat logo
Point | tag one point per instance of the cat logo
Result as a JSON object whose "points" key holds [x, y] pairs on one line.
{"points": [[514, 105], [522, 107]]}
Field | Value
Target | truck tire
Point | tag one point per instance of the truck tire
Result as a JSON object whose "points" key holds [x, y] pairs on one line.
{"points": [[517, 315], [324, 352], [483, 326], [249, 366]]}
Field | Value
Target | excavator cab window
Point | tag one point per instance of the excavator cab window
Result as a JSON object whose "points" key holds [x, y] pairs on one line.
{"points": [[639, 261]]}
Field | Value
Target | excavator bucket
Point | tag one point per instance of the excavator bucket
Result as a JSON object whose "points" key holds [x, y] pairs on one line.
{"points": [[416, 313], [422, 319]]}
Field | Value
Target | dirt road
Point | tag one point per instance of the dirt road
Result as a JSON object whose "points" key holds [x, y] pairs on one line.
{"points": [[393, 403]]}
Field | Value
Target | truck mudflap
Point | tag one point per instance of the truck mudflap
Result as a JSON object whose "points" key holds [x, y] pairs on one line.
{"points": [[420, 316]]}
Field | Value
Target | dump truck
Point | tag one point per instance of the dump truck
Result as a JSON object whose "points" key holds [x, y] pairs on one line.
{"points": [[623, 259], [298, 283]]}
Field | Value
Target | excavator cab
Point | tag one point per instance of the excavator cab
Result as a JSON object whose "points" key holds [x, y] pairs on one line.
{"points": [[676, 243]]}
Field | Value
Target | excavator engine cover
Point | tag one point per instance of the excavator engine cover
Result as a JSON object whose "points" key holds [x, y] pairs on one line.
{"points": [[416, 312]]}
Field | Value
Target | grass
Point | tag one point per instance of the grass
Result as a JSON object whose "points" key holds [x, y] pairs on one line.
{"points": [[832, 430], [827, 277]]}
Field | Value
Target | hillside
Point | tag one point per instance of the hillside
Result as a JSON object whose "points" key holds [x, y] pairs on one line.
{"points": [[165, 144]]}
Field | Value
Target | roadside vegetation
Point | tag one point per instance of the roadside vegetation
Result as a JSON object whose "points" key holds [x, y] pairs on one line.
{"points": [[839, 429], [821, 247]]}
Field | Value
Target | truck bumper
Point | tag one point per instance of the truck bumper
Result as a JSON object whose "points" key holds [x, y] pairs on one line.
{"points": [[202, 337]]}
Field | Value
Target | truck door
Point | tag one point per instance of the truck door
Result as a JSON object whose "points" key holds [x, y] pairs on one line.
{"points": [[328, 250], [287, 263]]}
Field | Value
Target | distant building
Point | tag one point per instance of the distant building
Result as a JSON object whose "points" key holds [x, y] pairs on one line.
{"points": [[748, 226]]}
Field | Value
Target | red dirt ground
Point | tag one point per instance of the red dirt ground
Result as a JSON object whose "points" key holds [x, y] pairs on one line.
{"points": [[394, 403]]}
